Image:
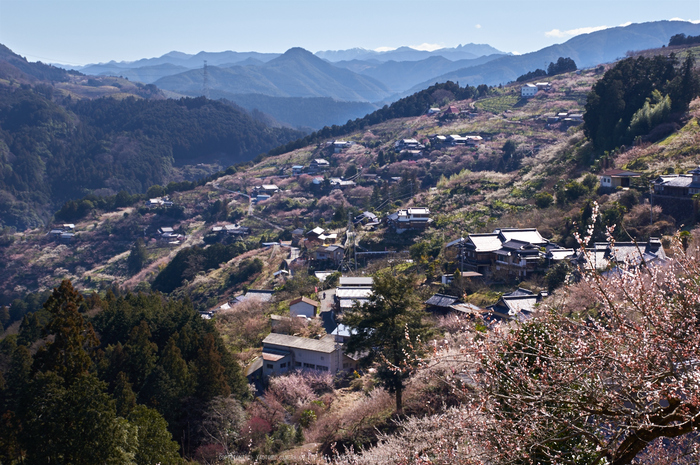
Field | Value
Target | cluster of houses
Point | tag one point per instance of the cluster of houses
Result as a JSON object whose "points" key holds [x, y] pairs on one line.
{"points": [[159, 202], [168, 234], [454, 140], [231, 230], [566, 119], [515, 251], [64, 233], [530, 90], [519, 250], [517, 305]]}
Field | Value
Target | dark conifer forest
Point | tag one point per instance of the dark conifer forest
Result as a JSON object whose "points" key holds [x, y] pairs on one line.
{"points": [[52, 152]]}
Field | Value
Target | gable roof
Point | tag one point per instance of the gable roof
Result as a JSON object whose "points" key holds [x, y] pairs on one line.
{"points": [[442, 300], [531, 235], [485, 242], [620, 173], [306, 300]]}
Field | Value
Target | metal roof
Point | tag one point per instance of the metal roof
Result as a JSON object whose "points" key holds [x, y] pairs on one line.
{"points": [[531, 235], [351, 281], [485, 242], [353, 292], [442, 300], [316, 345]]}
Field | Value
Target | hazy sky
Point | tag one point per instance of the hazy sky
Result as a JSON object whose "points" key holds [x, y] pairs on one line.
{"points": [[81, 31]]}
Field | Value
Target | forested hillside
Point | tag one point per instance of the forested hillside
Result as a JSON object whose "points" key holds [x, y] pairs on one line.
{"points": [[53, 150], [134, 384]]}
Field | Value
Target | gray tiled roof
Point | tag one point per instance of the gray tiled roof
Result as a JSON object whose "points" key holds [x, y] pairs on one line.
{"points": [[442, 300]]}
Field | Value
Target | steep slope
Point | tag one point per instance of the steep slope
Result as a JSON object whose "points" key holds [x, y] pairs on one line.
{"points": [[586, 50], [15, 66], [297, 73], [50, 153]]}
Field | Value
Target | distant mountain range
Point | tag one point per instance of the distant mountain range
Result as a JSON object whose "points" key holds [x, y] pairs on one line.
{"points": [[296, 73], [586, 50], [461, 52], [367, 76]]}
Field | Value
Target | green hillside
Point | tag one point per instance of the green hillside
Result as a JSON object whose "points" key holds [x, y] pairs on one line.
{"points": [[54, 151]]}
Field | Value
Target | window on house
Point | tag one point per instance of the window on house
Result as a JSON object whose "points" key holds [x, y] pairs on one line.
{"points": [[321, 368], [270, 366], [283, 365], [297, 364], [321, 357], [309, 365]]}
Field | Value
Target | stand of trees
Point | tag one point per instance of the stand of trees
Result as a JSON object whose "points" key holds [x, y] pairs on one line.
{"points": [[636, 96], [562, 65], [56, 152], [682, 39], [115, 392]]}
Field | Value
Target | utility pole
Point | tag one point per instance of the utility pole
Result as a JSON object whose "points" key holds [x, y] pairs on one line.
{"points": [[351, 229], [651, 204]]}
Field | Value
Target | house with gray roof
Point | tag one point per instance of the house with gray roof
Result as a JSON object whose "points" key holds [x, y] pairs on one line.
{"points": [[603, 255], [678, 185], [282, 353], [519, 251], [518, 305]]}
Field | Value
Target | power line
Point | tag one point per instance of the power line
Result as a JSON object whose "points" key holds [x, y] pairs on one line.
{"points": [[205, 81]]}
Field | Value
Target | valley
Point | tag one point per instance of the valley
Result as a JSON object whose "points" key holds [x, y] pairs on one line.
{"points": [[456, 271]]}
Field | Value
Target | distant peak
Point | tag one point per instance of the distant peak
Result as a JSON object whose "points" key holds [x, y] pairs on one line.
{"points": [[297, 51]]}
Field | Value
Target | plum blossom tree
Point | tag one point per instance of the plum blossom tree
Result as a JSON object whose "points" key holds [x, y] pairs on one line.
{"points": [[609, 382]]}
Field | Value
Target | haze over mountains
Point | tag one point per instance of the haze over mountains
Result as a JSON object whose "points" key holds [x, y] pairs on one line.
{"points": [[367, 78]]}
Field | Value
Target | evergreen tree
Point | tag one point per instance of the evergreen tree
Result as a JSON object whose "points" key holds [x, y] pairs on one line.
{"points": [[390, 330], [137, 257], [124, 395], [141, 354], [210, 372], [68, 355], [155, 443]]}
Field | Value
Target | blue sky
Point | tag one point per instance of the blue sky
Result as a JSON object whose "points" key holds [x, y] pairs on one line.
{"points": [[80, 31]]}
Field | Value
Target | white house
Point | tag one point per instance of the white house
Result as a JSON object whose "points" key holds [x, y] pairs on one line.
{"points": [[282, 353], [410, 218], [615, 178], [319, 164], [340, 145], [303, 306], [528, 90], [297, 170]]}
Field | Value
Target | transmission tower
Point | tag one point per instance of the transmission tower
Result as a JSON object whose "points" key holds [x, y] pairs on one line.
{"points": [[205, 81]]}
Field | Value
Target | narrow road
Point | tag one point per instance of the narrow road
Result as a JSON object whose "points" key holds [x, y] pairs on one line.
{"points": [[250, 200]]}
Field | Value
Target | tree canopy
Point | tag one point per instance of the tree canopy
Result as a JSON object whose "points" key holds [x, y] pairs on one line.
{"points": [[636, 94], [389, 330]]}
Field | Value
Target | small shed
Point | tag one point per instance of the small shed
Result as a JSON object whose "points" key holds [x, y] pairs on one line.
{"points": [[303, 306]]}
